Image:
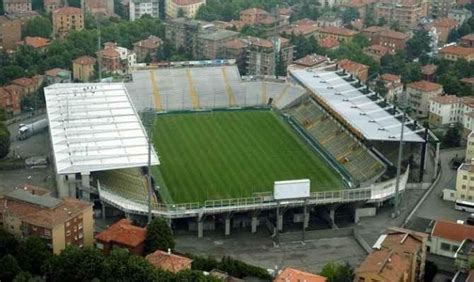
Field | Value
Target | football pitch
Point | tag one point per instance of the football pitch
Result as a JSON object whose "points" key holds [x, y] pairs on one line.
{"points": [[232, 154]]}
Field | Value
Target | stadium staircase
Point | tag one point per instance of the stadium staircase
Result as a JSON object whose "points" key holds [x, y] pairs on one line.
{"points": [[363, 166], [127, 183]]}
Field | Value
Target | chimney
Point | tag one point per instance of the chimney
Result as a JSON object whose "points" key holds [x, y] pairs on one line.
{"points": [[169, 251]]}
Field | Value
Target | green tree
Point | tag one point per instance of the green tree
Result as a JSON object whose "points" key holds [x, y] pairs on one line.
{"points": [[181, 13], [417, 45], [349, 15], [32, 254], [9, 268], [452, 138], [147, 59], [158, 236], [39, 26], [23, 276], [337, 272], [4, 149], [8, 243]]}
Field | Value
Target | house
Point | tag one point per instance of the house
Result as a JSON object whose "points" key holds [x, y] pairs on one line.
{"points": [[83, 68], [419, 94], [445, 110], [329, 43], [138, 8], [31, 211], [99, 8], [311, 60], [122, 234], [66, 19], [384, 36], [35, 42], [293, 274], [27, 85], [341, 34], [10, 33], [383, 265], [447, 236], [467, 41], [304, 27], [443, 27], [116, 59], [183, 8], [10, 99], [16, 6], [169, 261], [146, 47], [453, 53], [58, 75], [377, 51], [360, 71], [429, 72], [393, 85]]}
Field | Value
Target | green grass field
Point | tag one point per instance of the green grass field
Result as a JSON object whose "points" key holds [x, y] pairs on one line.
{"points": [[232, 154]]}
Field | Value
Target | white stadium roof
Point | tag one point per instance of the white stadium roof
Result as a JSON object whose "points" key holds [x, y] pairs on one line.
{"points": [[364, 114], [95, 127]]}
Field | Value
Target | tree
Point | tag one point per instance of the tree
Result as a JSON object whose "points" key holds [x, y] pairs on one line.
{"points": [[349, 15], [39, 26], [8, 243], [9, 268], [158, 236], [417, 45], [181, 13], [452, 138], [337, 272], [147, 58], [4, 149], [32, 254], [24, 276]]}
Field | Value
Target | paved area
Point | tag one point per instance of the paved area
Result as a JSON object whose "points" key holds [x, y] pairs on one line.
{"points": [[258, 249], [434, 206]]}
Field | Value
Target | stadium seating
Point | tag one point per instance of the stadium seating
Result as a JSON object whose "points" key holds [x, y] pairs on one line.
{"points": [[127, 183], [356, 159]]}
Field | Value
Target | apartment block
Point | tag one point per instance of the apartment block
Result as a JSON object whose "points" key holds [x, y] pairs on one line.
{"points": [[453, 53], [406, 13], [210, 41], [31, 211], [67, 19], [341, 34], [183, 8], [460, 15], [147, 47], [384, 36], [441, 8], [98, 8], [394, 86], [138, 8], [419, 94], [363, 7], [443, 27], [10, 33], [445, 110], [16, 6], [182, 32]]}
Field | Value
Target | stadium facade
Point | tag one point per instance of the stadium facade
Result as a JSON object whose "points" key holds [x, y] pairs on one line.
{"points": [[100, 146]]}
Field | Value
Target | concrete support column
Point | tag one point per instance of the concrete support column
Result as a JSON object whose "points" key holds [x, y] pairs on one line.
{"points": [[436, 160], [200, 227], [85, 182], [356, 216], [254, 223], [103, 210], [72, 185], [332, 213], [63, 187], [306, 219], [227, 226], [280, 222]]}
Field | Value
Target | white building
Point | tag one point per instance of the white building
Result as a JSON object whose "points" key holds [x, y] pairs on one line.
{"points": [[127, 55], [447, 236], [460, 15], [139, 8], [419, 94], [445, 110], [189, 8]]}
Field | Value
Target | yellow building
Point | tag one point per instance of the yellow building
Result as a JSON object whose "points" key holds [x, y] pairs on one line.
{"points": [[188, 8], [67, 19], [341, 34], [83, 68], [31, 211]]}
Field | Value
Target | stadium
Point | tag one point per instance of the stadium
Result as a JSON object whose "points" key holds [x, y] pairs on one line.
{"points": [[222, 143]]}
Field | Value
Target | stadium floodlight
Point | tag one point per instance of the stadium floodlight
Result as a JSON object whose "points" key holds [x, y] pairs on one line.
{"points": [[396, 208]]}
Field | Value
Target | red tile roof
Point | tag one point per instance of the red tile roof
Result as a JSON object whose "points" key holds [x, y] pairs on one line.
{"points": [[458, 51], [429, 69], [452, 231], [151, 42], [68, 11], [169, 261], [124, 233], [424, 85], [385, 263], [293, 274], [390, 77], [445, 23], [446, 99], [351, 66], [311, 60], [25, 81], [468, 37], [85, 60], [236, 43], [36, 42], [55, 71], [329, 42], [338, 31]]}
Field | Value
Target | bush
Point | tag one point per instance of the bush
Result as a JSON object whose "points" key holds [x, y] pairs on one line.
{"points": [[4, 141], [158, 236]]}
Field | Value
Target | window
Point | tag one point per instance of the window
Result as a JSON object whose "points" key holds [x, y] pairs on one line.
{"points": [[464, 177], [463, 187], [445, 247]]}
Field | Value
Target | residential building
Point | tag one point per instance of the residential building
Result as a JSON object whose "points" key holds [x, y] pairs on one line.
{"points": [[363, 7], [468, 116], [470, 148], [183, 8], [57, 75], [393, 85], [51, 5], [10, 99], [460, 15], [445, 110], [429, 72], [138, 8], [261, 55], [23, 17], [329, 19], [83, 68], [115, 59], [236, 49], [267, 22], [10, 33], [31, 211], [182, 32], [447, 236], [341, 34], [16, 6], [98, 8], [443, 27], [36, 42], [293, 274], [169, 261], [467, 41], [329, 3], [406, 13], [67, 19], [384, 36], [210, 41], [419, 94], [305, 27], [377, 51], [329, 43], [147, 47], [311, 61], [453, 53], [464, 256], [383, 265], [28, 85], [360, 71], [469, 81], [441, 8], [122, 234]]}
